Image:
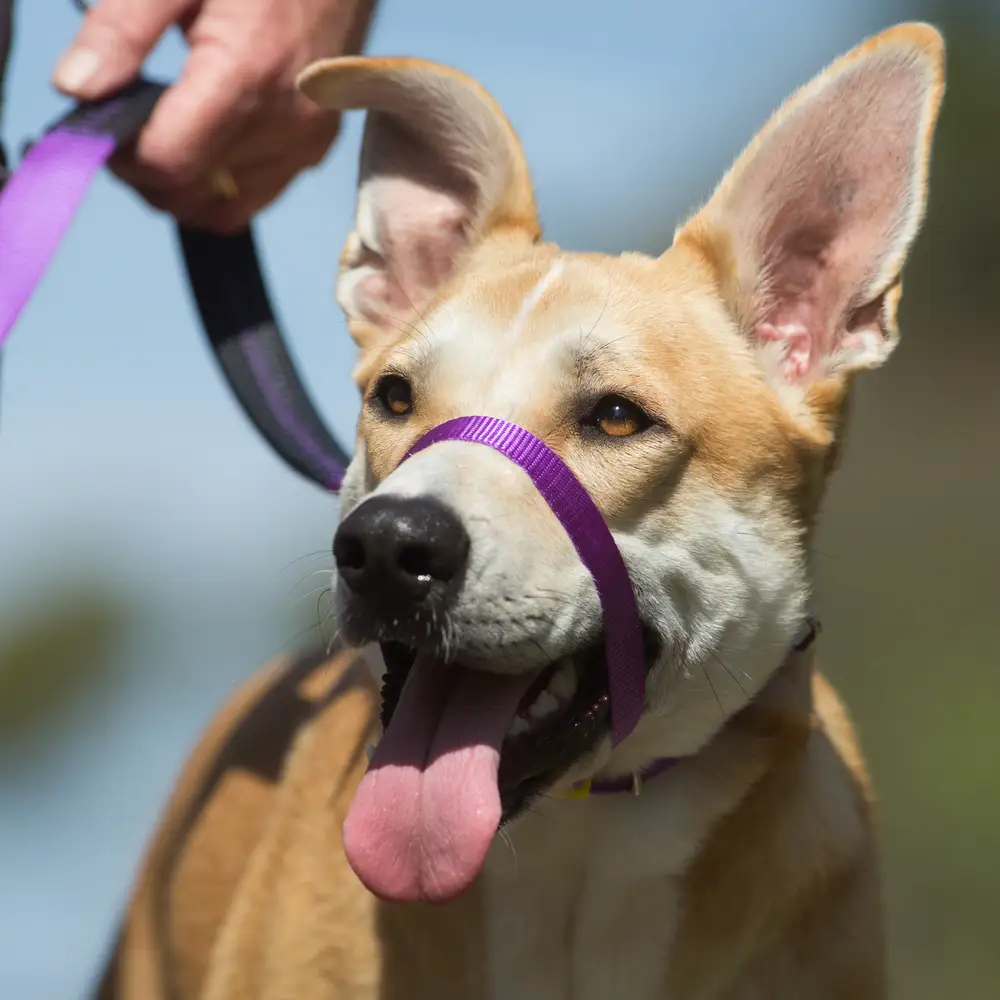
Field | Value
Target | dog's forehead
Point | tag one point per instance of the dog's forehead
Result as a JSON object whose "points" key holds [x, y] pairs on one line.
{"points": [[519, 335], [527, 302], [519, 338], [537, 319]]}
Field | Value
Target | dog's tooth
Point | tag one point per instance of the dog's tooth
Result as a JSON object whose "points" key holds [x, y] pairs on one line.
{"points": [[545, 704], [563, 683], [518, 725], [369, 750]]}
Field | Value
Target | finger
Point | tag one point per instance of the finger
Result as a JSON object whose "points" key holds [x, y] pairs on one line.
{"points": [[141, 176], [112, 43], [256, 190], [204, 207], [255, 152], [196, 119], [301, 135]]}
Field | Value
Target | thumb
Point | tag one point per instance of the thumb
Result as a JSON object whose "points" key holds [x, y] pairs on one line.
{"points": [[112, 44]]}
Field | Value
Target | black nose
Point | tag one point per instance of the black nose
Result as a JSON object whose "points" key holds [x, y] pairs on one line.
{"points": [[396, 552]]}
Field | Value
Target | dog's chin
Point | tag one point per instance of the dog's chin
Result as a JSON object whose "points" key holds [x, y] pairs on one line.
{"points": [[562, 717]]}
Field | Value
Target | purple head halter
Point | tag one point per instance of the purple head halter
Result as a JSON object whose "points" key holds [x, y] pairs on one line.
{"points": [[593, 541], [38, 204]]}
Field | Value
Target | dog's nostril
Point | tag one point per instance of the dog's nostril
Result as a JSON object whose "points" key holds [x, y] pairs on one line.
{"points": [[349, 552], [417, 560], [401, 551]]}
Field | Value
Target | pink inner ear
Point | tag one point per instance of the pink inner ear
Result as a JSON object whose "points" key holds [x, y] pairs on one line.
{"points": [[797, 358], [415, 210], [800, 288], [825, 206], [825, 251], [418, 234], [815, 251]]}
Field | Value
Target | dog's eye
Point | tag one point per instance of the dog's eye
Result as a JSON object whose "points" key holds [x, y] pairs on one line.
{"points": [[394, 395], [617, 417]]}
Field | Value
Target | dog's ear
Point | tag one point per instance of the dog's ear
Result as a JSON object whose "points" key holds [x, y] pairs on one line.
{"points": [[809, 230], [441, 168]]}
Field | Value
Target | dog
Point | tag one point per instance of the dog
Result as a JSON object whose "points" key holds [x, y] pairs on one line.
{"points": [[701, 398]]}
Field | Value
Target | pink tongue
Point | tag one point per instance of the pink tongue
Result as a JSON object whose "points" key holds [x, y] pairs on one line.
{"points": [[425, 814]]}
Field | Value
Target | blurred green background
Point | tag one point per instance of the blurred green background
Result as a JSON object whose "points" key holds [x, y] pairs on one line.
{"points": [[906, 563], [910, 552]]}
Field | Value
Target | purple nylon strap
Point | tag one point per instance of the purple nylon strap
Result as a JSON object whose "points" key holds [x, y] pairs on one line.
{"points": [[41, 197], [591, 538], [36, 207]]}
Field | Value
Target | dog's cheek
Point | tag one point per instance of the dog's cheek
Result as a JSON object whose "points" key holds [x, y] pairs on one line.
{"points": [[723, 588], [655, 567]]}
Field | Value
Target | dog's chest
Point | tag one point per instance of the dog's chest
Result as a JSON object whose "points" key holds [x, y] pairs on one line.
{"points": [[582, 901]]}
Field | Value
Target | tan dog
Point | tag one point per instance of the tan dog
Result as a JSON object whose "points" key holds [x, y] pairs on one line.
{"points": [[699, 397]]}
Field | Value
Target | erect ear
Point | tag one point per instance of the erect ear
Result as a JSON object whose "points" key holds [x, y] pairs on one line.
{"points": [[809, 230], [441, 168]]}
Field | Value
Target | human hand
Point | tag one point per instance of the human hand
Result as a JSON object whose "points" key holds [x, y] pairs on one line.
{"points": [[233, 131]]}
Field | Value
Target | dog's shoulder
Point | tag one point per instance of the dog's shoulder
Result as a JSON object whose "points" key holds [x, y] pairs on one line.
{"points": [[796, 859], [225, 800]]}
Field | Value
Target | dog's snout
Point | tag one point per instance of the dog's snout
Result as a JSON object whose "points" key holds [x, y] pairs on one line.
{"points": [[398, 551]]}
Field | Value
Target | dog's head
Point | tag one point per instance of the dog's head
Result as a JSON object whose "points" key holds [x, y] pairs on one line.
{"points": [[698, 396]]}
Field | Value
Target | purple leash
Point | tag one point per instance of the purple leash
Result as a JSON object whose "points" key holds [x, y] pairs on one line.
{"points": [[36, 207], [41, 197]]}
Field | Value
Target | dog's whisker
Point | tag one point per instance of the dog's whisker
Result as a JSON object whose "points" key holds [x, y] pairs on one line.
{"points": [[708, 678], [324, 553], [722, 664], [334, 637], [507, 839], [325, 589], [420, 315], [307, 630], [321, 572], [320, 617]]}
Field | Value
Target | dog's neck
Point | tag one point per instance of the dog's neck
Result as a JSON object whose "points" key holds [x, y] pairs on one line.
{"points": [[789, 686]]}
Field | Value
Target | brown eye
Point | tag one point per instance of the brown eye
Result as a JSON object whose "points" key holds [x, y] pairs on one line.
{"points": [[617, 417], [394, 395]]}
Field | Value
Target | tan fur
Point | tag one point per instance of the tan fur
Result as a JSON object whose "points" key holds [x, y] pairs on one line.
{"points": [[749, 870], [284, 885]]}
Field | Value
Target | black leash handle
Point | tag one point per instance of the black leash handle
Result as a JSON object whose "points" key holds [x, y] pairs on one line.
{"points": [[229, 290], [228, 286]]}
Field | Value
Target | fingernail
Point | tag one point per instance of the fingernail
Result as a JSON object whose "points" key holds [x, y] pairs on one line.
{"points": [[75, 69]]}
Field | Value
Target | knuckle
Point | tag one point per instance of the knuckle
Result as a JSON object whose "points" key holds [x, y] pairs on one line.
{"points": [[173, 166]]}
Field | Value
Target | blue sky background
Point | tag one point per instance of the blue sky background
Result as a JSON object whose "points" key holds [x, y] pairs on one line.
{"points": [[122, 455]]}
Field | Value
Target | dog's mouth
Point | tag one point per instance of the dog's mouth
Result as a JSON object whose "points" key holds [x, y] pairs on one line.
{"points": [[561, 716], [464, 750]]}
